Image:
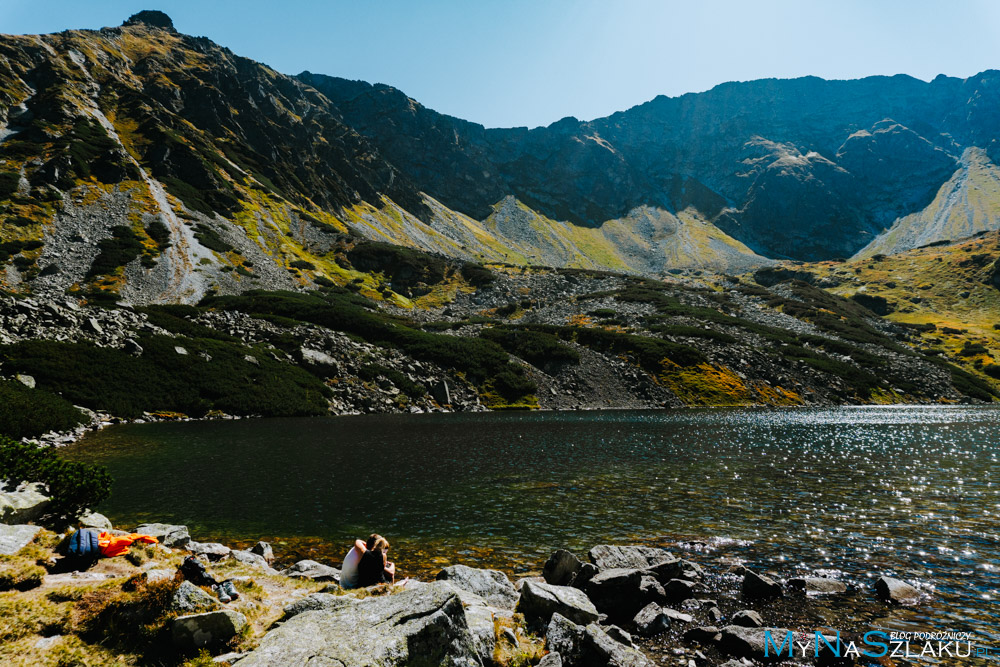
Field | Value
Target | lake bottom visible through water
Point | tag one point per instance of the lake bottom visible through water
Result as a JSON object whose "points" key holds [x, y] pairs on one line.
{"points": [[855, 493]]}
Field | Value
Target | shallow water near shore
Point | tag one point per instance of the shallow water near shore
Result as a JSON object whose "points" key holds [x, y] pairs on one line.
{"points": [[912, 492]]}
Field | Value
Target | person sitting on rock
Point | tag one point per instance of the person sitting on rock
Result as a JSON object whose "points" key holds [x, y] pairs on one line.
{"points": [[349, 570], [374, 567]]}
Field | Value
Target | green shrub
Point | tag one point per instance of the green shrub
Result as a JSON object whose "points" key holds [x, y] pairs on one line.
{"points": [[369, 372], [123, 246], [28, 413], [210, 238], [9, 181], [213, 375], [73, 486], [302, 264], [477, 274], [405, 267], [694, 332], [341, 310], [536, 347], [159, 233]]}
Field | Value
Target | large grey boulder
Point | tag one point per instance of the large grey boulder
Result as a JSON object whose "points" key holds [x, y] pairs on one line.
{"points": [[94, 520], [561, 568], [759, 587], [618, 592], [817, 586], [747, 618], [318, 602], [753, 643], [609, 557], [491, 585], [651, 620], [310, 569], [15, 538], [539, 601], [675, 568], [264, 550], [479, 616], [550, 660], [895, 591], [423, 626], [250, 558], [210, 629], [24, 505], [592, 645], [213, 551], [189, 599], [169, 535]]}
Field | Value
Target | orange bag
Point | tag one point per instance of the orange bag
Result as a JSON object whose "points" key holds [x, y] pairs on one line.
{"points": [[117, 545]]}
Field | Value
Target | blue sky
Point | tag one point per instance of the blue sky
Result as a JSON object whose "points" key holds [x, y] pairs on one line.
{"points": [[513, 62]]}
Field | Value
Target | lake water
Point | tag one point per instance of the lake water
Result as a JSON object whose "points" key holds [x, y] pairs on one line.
{"points": [[912, 492]]}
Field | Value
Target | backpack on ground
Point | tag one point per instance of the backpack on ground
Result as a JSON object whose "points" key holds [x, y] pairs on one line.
{"points": [[195, 572], [83, 544]]}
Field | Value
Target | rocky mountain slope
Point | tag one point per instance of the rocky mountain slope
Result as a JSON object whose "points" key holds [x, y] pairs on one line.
{"points": [[147, 163], [805, 169]]}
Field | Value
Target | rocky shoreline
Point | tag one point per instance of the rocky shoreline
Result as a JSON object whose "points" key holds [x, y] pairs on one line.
{"points": [[623, 605]]}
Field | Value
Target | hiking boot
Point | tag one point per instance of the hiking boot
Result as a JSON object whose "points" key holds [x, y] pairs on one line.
{"points": [[220, 591], [230, 589]]}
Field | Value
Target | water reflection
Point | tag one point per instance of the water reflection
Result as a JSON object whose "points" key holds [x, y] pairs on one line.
{"points": [[907, 491]]}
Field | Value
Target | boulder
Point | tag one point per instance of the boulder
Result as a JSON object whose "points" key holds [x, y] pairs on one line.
{"points": [[24, 505], [609, 557], [677, 616], [310, 569], [676, 568], [706, 634], [213, 551], [550, 660], [601, 649], [894, 591], [249, 558], [317, 602], [651, 620], [586, 573], [618, 593], [539, 601], [759, 587], [169, 535], [94, 520], [592, 645], [160, 575], [15, 538], [264, 550], [817, 586], [425, 625], [678, 590], [561, 568], [189, 599], [753, 643], [747, 618], [210, 629], [479, 617], [491, 585]]}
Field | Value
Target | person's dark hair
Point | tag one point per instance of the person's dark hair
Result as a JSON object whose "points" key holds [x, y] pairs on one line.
{"points": [[376, 541]]}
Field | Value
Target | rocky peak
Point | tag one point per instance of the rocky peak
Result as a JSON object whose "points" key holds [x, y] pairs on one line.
{"points": [[152, 18]]}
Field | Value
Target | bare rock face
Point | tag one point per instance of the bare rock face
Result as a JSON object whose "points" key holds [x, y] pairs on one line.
{"points": [[426, 625], [539, 601], [152, 18], [492, 585]]}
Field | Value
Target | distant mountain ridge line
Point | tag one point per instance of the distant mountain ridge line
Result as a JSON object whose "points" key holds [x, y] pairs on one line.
{"points": [[263, 170]]}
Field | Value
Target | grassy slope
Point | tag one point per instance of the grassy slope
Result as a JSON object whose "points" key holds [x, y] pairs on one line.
{"points": [[968, 203], [926, 287]]}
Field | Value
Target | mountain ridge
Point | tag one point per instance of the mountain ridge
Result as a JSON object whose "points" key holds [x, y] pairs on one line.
{"points": [[262, 179]]}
